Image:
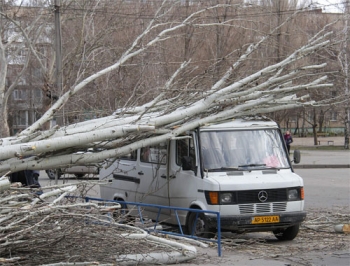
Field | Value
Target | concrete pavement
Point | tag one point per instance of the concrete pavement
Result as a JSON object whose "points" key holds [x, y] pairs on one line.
{"points": [[324, 141], [319, 156]]}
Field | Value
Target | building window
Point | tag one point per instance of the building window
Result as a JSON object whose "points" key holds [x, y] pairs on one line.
{"points": [[17, 95], [37, 74], [53, 122], [185, 2], [334, 116], [309, 116], [17, 55], [293, 119], [22, 81], [37, 116], [21, 118], [37, 93]]}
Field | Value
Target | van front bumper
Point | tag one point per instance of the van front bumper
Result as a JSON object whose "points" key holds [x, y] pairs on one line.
{"points": [[244, 222]]}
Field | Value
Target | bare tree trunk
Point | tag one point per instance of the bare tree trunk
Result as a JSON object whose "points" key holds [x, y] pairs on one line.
{"points": [[346, 70], [303, 134], [314, 126], [188, 35], [321, 120], [346, 131], [297, 126], [4, 128], [287, 123]]}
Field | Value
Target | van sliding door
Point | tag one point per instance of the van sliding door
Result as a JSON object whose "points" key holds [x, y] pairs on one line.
{"points": [[153, 175]]}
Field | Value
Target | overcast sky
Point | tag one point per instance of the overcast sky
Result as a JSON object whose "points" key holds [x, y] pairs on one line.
{"points": [[331, 5]]}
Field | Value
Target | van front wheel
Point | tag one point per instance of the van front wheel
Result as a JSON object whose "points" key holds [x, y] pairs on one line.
{"points": [[121, 215], [53, 173], [198, 226], [287, 234]]}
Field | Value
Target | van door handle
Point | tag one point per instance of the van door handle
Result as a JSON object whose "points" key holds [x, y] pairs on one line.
{"points": [[140, 173], [163, 176]]}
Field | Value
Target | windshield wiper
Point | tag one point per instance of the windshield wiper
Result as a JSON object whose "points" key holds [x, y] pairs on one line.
{"points": [[223, 169], [252, 165]]}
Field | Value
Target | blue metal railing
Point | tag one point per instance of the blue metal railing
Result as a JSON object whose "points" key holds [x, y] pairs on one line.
{"points": [[175, 209]]}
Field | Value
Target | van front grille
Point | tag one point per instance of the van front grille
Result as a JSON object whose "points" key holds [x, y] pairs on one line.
{"points": [[263, 207], [251, 196]]}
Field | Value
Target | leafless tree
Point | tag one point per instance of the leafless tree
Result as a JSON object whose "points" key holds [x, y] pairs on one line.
{"points": [[20, 31]]}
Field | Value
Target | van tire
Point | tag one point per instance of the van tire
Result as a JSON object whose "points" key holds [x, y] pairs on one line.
{"points": [[287, 234], [201, 227], [52, 173], [120, 215]]}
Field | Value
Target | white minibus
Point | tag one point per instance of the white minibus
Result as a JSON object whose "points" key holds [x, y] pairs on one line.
{"points": [[240, 168]]}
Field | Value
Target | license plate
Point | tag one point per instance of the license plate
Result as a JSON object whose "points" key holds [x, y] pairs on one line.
{"points": [[265, 219]]}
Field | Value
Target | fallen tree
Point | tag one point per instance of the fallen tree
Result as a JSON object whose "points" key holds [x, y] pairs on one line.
{"points": [[273, 88], [183, 104]]}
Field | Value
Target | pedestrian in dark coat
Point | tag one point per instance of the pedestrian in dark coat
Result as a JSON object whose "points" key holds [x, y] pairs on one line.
{"points": [[288, 139]]}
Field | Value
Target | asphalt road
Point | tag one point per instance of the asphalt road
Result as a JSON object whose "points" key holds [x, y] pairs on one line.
{"points": [[324, 188]]}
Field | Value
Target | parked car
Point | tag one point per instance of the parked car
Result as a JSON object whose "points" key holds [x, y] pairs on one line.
{"points": [[79, 171]]}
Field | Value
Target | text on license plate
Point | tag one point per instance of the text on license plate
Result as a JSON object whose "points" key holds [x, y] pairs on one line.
{"points": [[265, 219]]}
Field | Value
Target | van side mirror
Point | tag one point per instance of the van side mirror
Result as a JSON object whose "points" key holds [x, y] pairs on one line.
{"points": [[187, 163], [296, 156]]}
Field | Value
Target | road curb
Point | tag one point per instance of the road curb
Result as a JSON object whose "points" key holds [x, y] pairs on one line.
{"points": [[317, 166]]}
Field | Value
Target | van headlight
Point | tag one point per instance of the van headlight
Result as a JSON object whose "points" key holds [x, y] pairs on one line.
{"points": [[220, 198], [226, 198], [293, 194]]}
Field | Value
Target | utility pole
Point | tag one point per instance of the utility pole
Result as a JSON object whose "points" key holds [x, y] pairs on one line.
{"points": [[346, 70], [58, 46], [1, 5]]}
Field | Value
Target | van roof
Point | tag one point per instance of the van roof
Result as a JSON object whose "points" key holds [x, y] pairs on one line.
{"points": [[242, 123]]}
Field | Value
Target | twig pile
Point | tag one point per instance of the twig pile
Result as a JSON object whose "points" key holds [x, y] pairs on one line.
{"points": [[70, 232], [316, 234]]}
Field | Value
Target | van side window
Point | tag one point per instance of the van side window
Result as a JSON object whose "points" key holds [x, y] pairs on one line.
{"points": [[130, 156], [145, 155], [154, 154], [181, 150], [184, 147]]}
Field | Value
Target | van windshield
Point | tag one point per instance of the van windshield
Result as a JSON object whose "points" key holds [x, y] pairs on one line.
{"points": [[244, 149]]}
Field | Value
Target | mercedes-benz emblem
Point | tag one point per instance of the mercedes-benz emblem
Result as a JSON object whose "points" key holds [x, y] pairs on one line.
{"points": [[262, 196]]}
